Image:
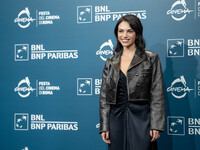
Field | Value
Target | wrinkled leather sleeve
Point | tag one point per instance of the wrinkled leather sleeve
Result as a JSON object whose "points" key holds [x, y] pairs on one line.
{"points": [[157, 97], [104, 108]]}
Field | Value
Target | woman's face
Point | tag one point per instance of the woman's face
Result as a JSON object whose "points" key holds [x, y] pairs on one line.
{"points": [[126, 35]]}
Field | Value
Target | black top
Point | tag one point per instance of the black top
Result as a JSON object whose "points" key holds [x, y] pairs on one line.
{"points": [[122, 93]]}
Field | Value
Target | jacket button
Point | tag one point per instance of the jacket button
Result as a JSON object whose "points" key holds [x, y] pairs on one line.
{"points": [[137, 74], [137, 84]]}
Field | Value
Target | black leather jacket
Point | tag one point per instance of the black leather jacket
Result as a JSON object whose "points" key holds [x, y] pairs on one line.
{"points": [[144, 83]]}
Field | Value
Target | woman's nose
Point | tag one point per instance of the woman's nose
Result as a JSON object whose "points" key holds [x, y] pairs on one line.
{"points": [[125, 34]]}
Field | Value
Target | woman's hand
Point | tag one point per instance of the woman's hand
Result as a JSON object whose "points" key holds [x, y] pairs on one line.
{"points": [[105, 137], [155, 134]]}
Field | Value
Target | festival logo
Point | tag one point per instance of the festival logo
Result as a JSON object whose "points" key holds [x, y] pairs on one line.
{"points": [[21, 121], [84, 14], [175, 48], [179, 10], [42, 18], [176, 125], [97, 125], [24, 88], [178, 88], [106, 50], [24, 19], [21, 52]]}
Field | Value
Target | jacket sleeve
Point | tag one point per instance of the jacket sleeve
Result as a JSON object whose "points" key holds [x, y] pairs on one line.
{"points": [[104, 108], [157, 97]]}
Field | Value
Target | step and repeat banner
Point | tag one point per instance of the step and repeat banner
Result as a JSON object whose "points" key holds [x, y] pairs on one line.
{"points": [[52, 57]]}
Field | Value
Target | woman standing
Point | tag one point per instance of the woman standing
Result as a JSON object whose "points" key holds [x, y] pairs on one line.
{"points": [[132, 100]]}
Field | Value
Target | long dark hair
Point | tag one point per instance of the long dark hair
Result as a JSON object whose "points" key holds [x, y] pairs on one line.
{"points": [[136, 25]]}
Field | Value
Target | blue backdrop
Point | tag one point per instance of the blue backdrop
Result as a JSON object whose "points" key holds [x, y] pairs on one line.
{"points": [[52, 57]]}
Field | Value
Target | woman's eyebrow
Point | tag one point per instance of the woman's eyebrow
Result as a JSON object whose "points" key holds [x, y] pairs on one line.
{"points": [[124, 29]]}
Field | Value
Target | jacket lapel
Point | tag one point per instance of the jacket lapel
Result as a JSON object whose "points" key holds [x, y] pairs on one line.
{"points": [[115, 62], [136, 60]]}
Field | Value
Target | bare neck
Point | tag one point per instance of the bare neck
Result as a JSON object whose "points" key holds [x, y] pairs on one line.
{"points": [[129, 50]]}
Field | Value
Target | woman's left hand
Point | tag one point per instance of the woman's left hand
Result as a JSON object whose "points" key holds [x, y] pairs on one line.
{"points": [[155, 134]]}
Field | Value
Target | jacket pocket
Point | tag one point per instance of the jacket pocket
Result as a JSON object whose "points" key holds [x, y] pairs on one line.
{"points": [[145, 82]]}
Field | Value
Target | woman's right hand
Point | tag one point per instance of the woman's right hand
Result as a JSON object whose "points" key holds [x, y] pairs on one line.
{"points": [[105, 137]]}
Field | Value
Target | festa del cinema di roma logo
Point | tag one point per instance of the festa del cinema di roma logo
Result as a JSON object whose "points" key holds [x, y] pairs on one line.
{"points": [[179, 88], [24, 88], [24, 18], [179, 10], [106, 50]]}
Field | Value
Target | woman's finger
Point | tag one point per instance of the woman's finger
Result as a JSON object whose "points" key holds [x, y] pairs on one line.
{"points": [[107, 135], [153, 138]]}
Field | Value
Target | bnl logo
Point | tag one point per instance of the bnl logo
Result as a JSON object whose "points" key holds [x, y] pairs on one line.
{"points": [[176, 125], [175, 48], [21, 52], [84, 14], [21, 121], [84, 86]]}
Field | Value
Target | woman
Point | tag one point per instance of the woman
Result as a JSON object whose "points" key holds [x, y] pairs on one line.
{"points": [[132, 100]]}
